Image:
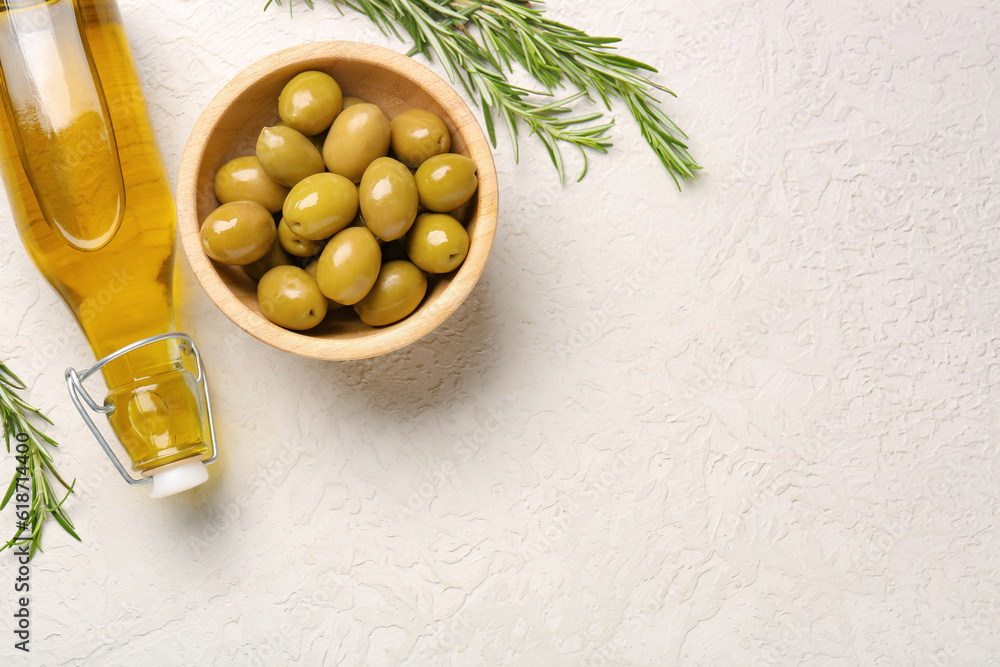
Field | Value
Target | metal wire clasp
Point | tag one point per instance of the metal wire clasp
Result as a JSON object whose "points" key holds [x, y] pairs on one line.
{"points": [[79, 395]]}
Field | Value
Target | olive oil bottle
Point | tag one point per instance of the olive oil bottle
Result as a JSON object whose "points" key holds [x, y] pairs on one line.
{"points": [[92, 203]]}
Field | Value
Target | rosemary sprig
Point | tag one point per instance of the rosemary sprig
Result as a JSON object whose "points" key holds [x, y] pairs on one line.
{"points": [[34, 462], [478, 41], [553, 53]]}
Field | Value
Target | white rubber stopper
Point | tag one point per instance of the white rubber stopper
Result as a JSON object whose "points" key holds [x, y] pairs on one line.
{"points": [[176, 480]]}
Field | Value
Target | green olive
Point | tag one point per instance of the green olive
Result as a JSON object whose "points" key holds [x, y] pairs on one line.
{"points": [[287, 155], [437, 243], [276, 256], [317, 140], [388, 198], [446, 181], [295, 244], [358, 135], [350, 101], [238, 232], [310, 102], [398, 290], [242, 179], [418, 134], [349, 265], [290, 297], [320, 205]]}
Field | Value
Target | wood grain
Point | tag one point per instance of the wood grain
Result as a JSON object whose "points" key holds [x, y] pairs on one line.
{"points": [[228, 128]]}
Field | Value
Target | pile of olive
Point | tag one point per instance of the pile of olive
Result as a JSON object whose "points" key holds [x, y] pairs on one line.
{"points": [[321, 217]]}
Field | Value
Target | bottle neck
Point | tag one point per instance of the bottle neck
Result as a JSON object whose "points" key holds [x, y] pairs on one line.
{"points": [[60, 121]]}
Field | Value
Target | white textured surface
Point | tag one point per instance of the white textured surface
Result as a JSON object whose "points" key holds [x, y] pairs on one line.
{"points": [[752, 422]]}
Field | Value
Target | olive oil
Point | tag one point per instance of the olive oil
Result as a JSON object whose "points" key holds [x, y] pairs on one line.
{"points": [[93, 206]]}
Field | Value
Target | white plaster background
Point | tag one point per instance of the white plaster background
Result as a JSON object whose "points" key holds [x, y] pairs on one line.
{"points": [[752, 422]]}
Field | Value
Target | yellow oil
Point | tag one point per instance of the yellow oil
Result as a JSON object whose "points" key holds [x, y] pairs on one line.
{"points": [[92, 203]]}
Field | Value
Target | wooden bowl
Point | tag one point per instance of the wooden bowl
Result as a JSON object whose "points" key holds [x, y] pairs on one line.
{"points": [[228, 128]]}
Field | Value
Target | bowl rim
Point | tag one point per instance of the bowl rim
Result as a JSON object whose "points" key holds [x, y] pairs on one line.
{"points": [[379, 340]]}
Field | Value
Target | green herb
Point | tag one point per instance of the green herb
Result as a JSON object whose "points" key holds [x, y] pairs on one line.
{"points": [[477, 41], [33, 465]]}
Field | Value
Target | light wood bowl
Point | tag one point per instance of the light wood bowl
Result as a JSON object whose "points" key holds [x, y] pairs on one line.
{"points": [[228, 128]]}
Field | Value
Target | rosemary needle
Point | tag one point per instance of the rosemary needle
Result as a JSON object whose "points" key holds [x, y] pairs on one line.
{"points": [[479, 41], [34, 498]]}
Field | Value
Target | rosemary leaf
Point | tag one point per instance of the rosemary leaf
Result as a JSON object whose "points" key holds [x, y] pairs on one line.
{"points": [[478, 42], [34, 464]]}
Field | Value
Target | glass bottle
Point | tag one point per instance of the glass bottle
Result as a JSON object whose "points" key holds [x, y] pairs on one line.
{"points": [[93, 206]]}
